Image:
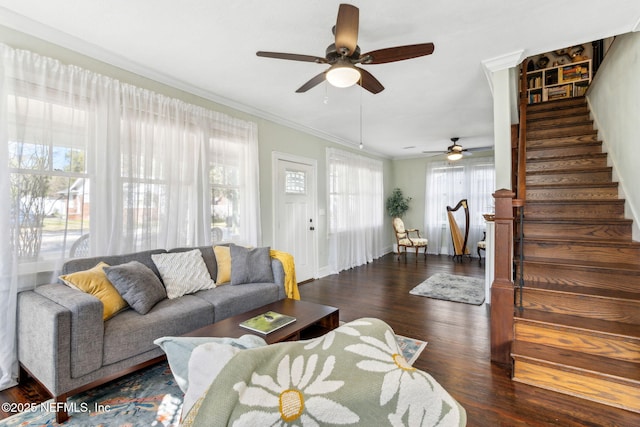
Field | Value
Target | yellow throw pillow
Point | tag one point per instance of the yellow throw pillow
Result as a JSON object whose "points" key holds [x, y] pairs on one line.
{"points": [[223, 259], [94, 282]]}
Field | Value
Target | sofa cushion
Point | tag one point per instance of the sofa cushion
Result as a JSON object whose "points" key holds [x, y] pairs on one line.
{"points": [[95, 282], [250, 265], [223, 259], [183, 272], [130, 333], [228, 301], [137, 284], [207, 255], [144, 257]]}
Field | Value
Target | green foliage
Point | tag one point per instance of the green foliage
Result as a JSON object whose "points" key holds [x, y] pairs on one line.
{"points": [[397, 204]]}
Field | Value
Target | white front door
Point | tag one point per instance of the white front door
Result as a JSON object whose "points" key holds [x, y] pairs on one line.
{"points": [[295, 211]]}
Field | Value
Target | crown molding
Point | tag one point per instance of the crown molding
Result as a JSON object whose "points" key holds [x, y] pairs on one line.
{"points": [[502, 62]]}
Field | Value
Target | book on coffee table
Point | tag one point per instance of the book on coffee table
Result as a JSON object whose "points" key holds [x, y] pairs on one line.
{"points": [[267, 322]]}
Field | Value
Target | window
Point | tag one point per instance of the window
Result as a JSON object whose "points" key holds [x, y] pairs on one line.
{"points": [[49, 184], [447, 184], [119, 168], [356, 209], [295, 182]]}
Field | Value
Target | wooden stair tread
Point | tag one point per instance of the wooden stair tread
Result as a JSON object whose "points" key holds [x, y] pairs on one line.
{"points": [[623, 268], [571, 170], [569, 157], [614, 243], [616, 370], [576, 202], [557, 104], [580, 221], [575, 185], [537, 125], [563, 141], [584, 290], [618, 329]]}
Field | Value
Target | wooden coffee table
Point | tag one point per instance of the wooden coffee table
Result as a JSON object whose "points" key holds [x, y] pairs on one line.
{"points": [[312, 320]]}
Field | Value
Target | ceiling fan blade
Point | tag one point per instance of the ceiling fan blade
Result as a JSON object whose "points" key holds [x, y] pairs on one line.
{"points": [[346, 29], [478, 149], [312, 83], [292, 57], [398, 53], [370, 83]]}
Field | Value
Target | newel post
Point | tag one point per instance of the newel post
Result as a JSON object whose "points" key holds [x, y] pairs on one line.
{"points": [[502, 291]]}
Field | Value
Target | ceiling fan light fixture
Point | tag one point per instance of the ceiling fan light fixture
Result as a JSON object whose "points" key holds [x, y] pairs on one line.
{"points": [[343, 74], [454, 155]]}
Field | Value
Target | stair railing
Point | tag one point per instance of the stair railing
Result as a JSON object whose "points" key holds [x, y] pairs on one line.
{"points": [[502, 289], [521, 194]]}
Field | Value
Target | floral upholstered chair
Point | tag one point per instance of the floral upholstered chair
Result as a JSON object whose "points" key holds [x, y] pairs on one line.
{"points": [[408, 238]]}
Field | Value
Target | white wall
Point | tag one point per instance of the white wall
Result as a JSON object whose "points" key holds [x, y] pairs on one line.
{"points": [[272, 136], [614, 97]]}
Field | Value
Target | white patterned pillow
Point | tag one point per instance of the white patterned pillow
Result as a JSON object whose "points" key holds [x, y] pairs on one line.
{"points": [[183, 272]]}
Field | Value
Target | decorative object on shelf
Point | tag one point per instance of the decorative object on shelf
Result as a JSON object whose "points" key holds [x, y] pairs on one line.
{"points": [[397, 205], [542, 62]]}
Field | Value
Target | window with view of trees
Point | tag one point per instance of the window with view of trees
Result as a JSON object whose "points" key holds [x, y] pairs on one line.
{"points": [[117, 168]]}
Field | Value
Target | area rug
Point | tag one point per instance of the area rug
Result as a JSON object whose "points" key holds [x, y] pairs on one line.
{"points": [[449, 287], [149, 397]]}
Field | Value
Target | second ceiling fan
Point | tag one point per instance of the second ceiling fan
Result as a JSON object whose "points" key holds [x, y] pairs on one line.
{"points": [[344, 54]]}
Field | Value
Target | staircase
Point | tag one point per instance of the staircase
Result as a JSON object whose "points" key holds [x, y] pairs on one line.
{"points": [[579, 330]]}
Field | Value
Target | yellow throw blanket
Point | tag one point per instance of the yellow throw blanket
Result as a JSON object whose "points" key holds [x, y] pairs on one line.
{"points": [[290, 282]]}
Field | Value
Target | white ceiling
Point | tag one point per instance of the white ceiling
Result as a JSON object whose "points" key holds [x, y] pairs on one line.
{"points": [[208, 47]]}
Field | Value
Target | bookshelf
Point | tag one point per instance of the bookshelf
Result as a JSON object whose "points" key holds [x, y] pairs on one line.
{"points": [[562, 81]]}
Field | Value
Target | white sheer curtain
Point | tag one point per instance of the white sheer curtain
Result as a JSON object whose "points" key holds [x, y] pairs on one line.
{"points": [[356, 209], [447, 184], [86, 155]]}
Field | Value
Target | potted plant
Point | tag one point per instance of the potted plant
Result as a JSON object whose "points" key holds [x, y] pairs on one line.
{"points": [[397, 204]]}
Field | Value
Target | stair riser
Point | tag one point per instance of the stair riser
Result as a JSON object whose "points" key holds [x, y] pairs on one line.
{"points": [[600, 389], [615, 310], [556, 132], [593, 278], [591, 231], [582, 177], [599, 344], [559, 105], [571, 210], [599, 161], [582, 251], [555, 152], [550, 121], [565, 141], [581, 193], [581, 110]]}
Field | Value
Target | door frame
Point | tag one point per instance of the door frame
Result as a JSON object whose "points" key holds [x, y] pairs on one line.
{"points": [[276, 157]]}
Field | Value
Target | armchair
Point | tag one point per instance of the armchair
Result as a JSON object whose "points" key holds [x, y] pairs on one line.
{"points": [[404, 240]]}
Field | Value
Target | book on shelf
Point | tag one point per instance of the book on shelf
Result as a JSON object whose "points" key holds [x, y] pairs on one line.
{"points": [[267, 322]]}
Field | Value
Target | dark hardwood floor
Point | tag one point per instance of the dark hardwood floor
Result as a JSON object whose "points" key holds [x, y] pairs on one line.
{"points": [[457, 354]]}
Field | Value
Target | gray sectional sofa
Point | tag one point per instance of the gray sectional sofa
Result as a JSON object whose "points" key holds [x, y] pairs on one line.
{"points": [[64, 343]]}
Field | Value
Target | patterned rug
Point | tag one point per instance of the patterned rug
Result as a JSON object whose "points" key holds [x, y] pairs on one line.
{"points": [[448, 287], [149, 397]]}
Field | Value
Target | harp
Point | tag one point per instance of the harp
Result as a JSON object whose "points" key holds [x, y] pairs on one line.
{"points": [[459, 240]]}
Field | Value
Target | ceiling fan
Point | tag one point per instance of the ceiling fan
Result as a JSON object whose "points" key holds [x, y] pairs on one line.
{"points": [[344, 54], [455, 151]]}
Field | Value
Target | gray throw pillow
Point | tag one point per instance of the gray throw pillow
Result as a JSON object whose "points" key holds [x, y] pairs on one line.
{"points": [[250, 265], [137, 284]]}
